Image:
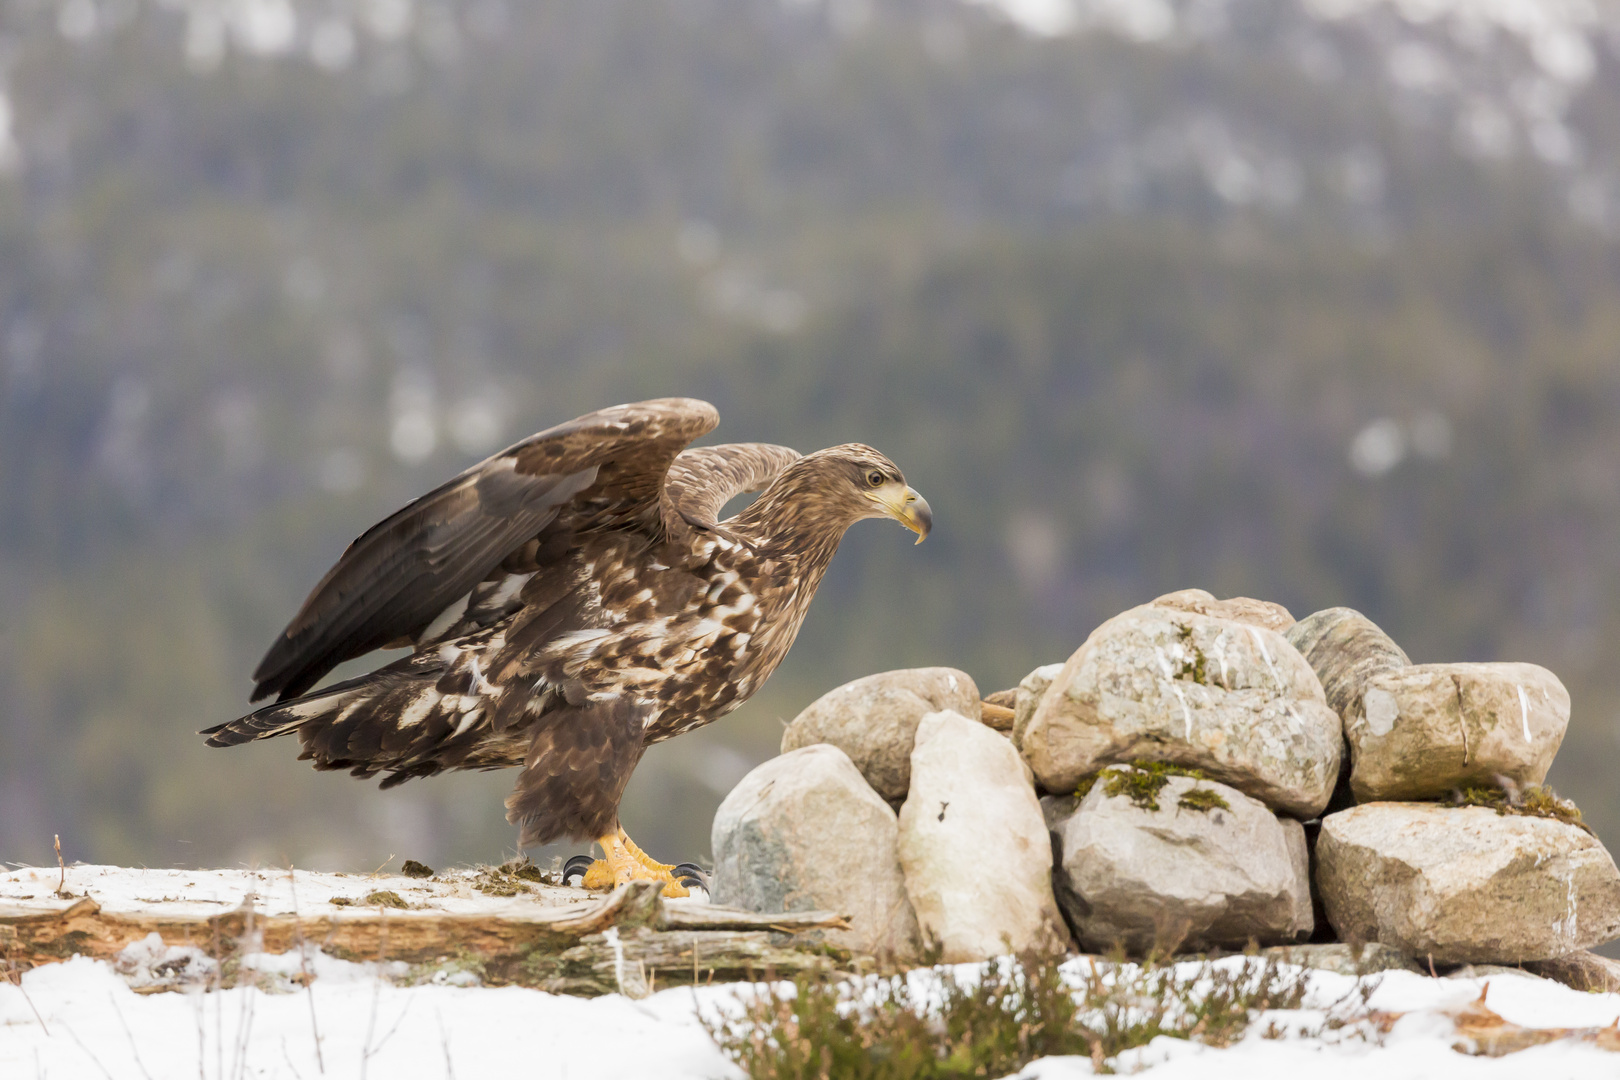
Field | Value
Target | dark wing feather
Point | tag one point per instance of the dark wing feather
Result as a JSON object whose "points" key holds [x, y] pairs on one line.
{"points": [[701, 481], [603, 470]]}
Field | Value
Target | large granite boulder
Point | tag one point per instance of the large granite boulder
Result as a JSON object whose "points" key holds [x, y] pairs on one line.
{"points": [[1162, 683], [1192, 865], [1420, 731], [874, 720], [1465, 885], [804, 832], [974, 847]]}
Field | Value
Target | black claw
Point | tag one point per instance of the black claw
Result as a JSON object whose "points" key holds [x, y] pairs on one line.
{"points": [[691, 874], [576, 866]]}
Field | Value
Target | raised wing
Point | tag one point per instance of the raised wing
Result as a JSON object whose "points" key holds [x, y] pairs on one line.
{"points": [[604, 470], [701, 481]]}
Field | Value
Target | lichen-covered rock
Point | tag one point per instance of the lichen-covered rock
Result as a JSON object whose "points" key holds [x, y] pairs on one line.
{"points": [[1241, 609], [1165, 684], [874, 720], [974, 847], [1465, 885], [1420, 731], [1344, 647], [804, 832], [1190, 874]]}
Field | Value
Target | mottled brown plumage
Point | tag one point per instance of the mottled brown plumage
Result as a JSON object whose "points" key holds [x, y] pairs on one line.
{"points": [[569, 601]]}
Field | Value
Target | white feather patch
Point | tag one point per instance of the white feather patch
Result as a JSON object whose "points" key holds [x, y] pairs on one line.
{"points": [[564, 642], [445, 619], [467, 720], [419, 709]]}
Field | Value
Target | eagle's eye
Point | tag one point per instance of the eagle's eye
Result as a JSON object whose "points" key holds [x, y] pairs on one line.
{"points": [[874, 478]]}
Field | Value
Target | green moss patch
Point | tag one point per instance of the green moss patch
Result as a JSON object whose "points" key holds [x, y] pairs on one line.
{"points": [[1197, 668], [1534, 801], [1141, 781], [1203, 800], [994, 1024]]}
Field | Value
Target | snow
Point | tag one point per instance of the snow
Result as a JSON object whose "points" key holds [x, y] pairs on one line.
{"points": [[94, 1024], [204, 893], [313, 1014], [89, 1022]]}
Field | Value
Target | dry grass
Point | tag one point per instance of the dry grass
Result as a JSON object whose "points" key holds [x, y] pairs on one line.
{"points": [[891, 1028]]}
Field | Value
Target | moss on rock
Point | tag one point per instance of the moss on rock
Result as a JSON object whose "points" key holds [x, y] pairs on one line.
{"points": [[1534, 801]]}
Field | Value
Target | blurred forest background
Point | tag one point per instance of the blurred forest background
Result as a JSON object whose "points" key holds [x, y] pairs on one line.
{"points": [[1310, 300]]}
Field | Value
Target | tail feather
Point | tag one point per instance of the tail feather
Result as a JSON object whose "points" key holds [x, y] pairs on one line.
{"points": [[406, 719], [285, 717]]}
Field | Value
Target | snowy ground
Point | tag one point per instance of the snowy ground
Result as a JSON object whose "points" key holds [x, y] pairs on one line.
{"points": [[85, 1018], [81, 1019]]}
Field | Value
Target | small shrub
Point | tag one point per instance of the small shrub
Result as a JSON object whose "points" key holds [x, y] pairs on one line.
{"points": [[994, 1023]]}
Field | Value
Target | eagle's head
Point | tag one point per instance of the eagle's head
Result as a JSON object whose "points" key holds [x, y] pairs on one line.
{"points": [[830, 490]]}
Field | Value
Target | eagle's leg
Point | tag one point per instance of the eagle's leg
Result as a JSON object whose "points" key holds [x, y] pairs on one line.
{"points": [[623, 861]]}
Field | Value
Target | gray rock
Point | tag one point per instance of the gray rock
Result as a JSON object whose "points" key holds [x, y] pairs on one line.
{"points": [[1489, 971], [1344, 959], [1299, 858], [874, 720], [1581, 971], [1418, 732], [804, 832], [974, 847], [1178, 877], [1231, 698], [1028, 696], [1344, 647], [1057, 809], [1465, 885]]}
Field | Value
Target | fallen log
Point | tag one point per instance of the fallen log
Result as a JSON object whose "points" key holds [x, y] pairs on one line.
{"points": [[506, 929]]}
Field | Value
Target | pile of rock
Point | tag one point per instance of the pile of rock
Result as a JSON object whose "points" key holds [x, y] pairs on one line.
{"points": [[1181, 782], [965, 862]]}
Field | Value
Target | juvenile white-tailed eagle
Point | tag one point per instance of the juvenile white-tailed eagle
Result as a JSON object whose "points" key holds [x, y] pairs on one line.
{"points": [[570, 601]]}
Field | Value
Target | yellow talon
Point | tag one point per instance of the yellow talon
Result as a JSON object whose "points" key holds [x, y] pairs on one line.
{"points": [[624, 862]]}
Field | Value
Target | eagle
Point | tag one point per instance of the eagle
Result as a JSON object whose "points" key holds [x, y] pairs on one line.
{"points": [[568, 602]]}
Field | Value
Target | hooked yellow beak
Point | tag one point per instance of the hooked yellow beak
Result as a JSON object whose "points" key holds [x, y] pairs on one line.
{"points": [[909, 509]]}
